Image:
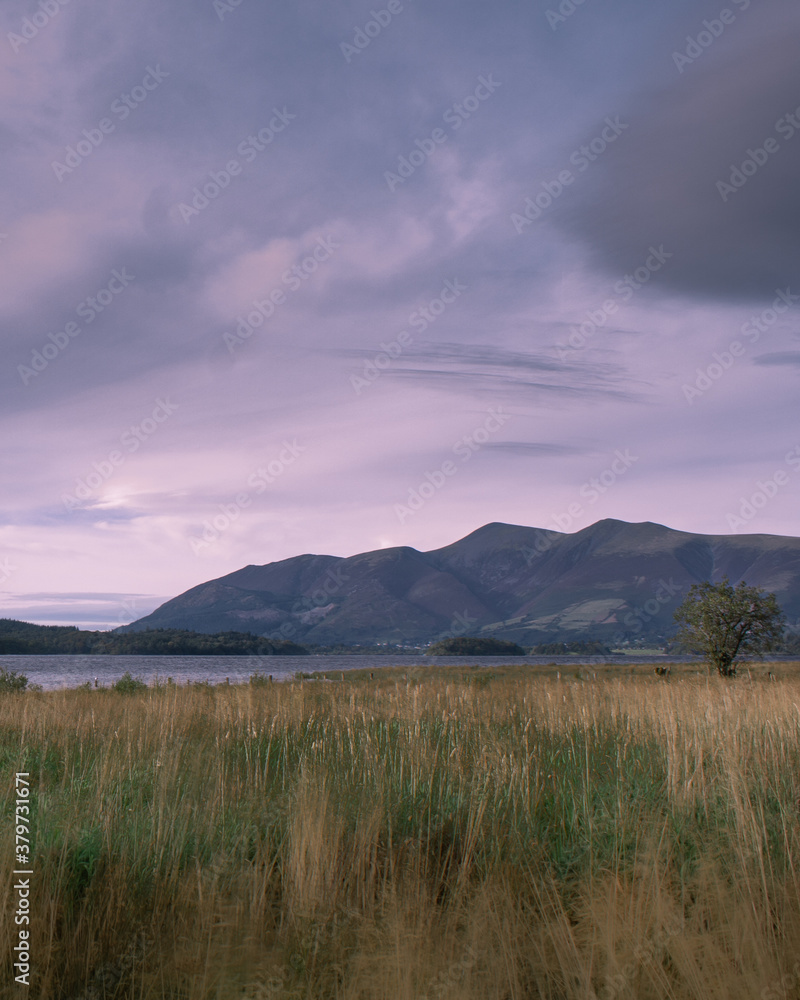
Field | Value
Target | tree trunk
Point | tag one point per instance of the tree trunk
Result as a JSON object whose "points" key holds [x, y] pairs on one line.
{"points": [[724, 661]]}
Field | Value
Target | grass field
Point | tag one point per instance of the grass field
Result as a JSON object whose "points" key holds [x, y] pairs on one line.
{"points": [[445, 832]]}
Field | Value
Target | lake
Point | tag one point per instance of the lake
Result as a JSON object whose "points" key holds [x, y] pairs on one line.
{"points": [[61, 671]]}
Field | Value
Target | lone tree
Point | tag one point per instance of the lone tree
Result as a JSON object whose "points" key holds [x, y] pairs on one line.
{"points": [[722, 622]]}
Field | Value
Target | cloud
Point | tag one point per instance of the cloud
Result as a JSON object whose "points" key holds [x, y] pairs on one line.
{"points": [[779, 359], [89, 512], [94, 611], [537, 448], [487, 368], [658, 183]]}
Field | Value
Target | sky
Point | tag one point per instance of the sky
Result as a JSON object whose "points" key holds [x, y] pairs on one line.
{"points": [[314, 277]]}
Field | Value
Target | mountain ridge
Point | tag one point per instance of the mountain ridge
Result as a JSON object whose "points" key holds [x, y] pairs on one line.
{"points": [[612, 581]]}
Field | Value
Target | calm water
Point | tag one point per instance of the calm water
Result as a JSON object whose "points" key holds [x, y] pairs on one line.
{"points": [[71, 671]]}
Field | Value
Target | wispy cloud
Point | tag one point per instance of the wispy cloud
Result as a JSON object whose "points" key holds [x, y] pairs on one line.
{"points": [[486, 368], [779, 359]]}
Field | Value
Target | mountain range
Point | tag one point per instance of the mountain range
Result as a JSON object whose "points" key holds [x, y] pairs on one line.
{"points": [[612, 581]]}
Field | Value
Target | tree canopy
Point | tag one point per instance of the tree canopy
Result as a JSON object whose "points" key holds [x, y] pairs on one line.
{"points": [[723, 623]]}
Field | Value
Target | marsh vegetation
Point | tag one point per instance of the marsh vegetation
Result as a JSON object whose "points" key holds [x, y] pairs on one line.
{"points": [[442, 832]]}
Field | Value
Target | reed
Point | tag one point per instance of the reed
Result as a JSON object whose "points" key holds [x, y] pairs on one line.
{"points": [[427, 834]]}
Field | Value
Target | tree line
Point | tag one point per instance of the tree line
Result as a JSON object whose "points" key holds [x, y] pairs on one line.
{"points": [[26, 638]]}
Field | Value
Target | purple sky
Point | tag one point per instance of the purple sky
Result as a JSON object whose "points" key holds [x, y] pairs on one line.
{"points": [[507, 272]]}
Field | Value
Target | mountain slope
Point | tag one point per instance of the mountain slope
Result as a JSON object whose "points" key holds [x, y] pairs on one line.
{"points": [[612, 580]]}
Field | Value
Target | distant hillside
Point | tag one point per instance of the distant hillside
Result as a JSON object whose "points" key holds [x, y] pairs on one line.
{"points": [[611, 582]]}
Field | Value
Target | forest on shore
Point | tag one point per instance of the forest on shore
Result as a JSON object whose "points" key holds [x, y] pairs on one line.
{"points": [[26, 638]]}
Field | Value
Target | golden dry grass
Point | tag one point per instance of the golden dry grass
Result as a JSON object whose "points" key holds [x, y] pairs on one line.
{"points": [[438, 833]]}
